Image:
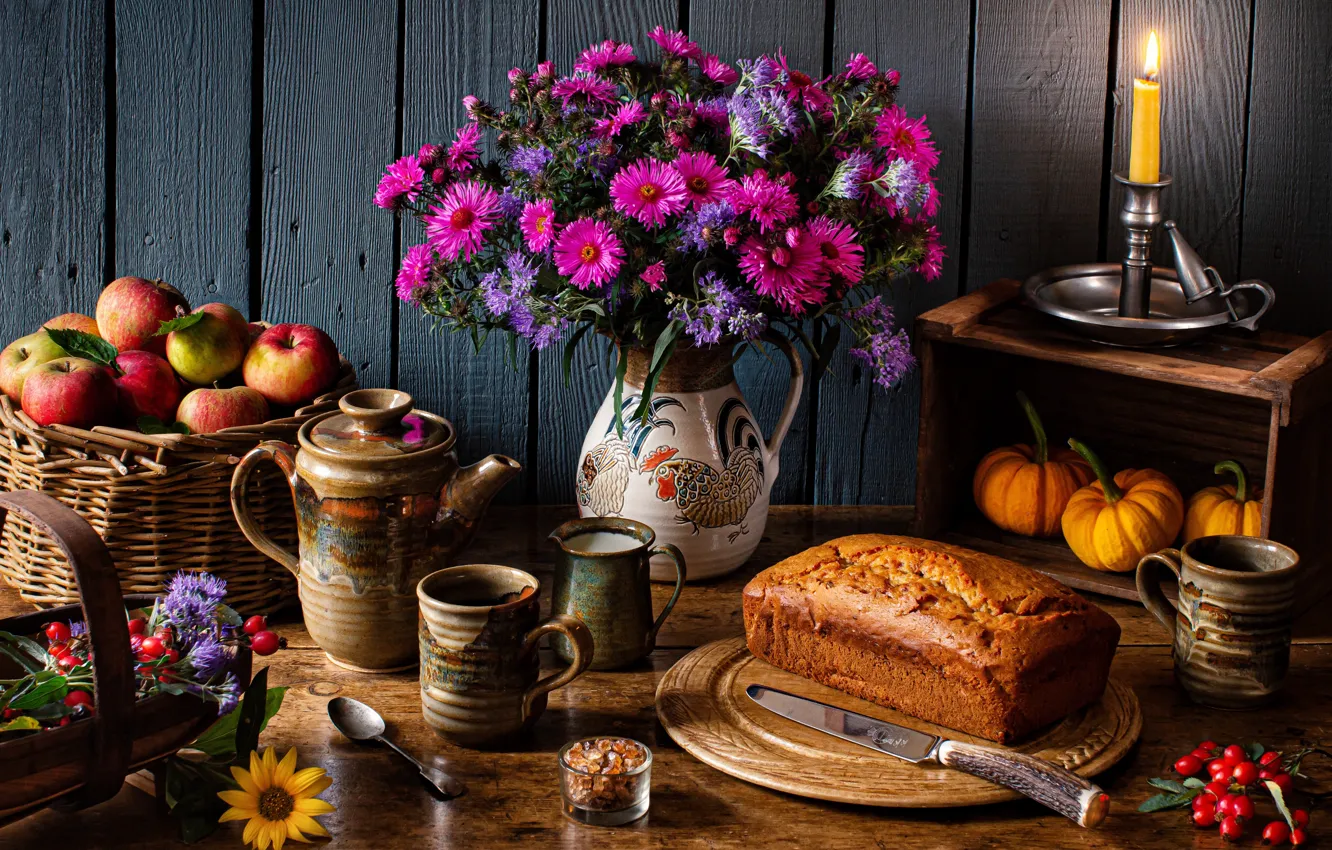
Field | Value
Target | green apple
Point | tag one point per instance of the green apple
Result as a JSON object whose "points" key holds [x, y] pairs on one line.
{"points": [[23, 355], [212, 347]]}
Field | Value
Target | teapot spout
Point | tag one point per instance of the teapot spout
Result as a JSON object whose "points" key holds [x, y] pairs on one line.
{"points": [[473, 488]]}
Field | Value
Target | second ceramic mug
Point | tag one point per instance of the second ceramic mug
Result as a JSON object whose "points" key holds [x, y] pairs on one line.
{"points": [[1231, 628], [480, 675]]}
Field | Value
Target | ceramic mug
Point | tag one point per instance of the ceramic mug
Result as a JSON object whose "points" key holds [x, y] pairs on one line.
{"points": [[1231, 627], [602, 577], [481, 678]]}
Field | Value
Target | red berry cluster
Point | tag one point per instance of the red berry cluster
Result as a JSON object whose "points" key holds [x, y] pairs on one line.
{"points": [[1225, 800], [262, 641]]}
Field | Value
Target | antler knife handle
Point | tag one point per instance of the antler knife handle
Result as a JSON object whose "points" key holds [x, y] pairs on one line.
{"points": [[1050, 785]]}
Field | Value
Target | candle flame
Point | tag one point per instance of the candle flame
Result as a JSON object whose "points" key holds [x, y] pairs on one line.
{"points": [[1152, 66]]}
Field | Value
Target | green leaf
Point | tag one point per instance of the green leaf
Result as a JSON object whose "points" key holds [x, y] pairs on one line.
{"points": [[17, 648], [1167, 785], [180, 323], [219, 740], [570, 347], [1161, 802], [89, 346], [52, 689], [1255, 751], [51, 711], [1280, 799], [824, 352], [251, 717], [622, 364], [1194, 782], [21, 724], [153, 425], [661, 355], [229, 616]]}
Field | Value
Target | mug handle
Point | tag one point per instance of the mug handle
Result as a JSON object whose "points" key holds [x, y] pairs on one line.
{"points": [[579, 637], [677, 558], [285, 457], [1149, 586]]}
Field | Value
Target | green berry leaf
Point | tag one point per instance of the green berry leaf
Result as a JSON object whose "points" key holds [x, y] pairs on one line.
{"points": [[1280, 800], [1162, 802], [1254, 750], [153, 425], [1167, 785], [1194, 782], [180, 323], [85, 345]]}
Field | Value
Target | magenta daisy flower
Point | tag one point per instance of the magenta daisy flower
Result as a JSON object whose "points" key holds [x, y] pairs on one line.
{"points": [[600, 58], [716, 70], [400, 184], [430, 156], [675, 43], [836, 241], [767, 201], [415, 271], [456, 225], [588, 252], [584, 90], [800, 88], [649, 191], [627, 115], [704, 180], [654, 275], [463, 152], [931, 265], [859, 67], [538, 224], [792, 275], [906, 137]]}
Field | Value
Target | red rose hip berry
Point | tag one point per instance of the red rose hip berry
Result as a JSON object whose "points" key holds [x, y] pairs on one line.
{"points": [[1232, 828], [1283, 782], [1219, 769], [137, 626], [1235, 754], [1242, 807], [1208, 745], [1276, 833], [1245, 773], [1298, 837], [57, 632], [264, 643], [76, 697], [255, 625], [1301, 817], [1268, 757], [152, 647], [1188, 765]]}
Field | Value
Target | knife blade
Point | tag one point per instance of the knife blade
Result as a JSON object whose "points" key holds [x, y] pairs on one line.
{"points": [[1048, 784]]}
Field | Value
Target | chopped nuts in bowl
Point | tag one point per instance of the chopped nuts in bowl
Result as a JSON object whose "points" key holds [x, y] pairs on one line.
{"points": [[605, 780]]}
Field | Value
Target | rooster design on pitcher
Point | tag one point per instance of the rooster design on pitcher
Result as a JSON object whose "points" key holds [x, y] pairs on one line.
{"points": [[603, 477]]}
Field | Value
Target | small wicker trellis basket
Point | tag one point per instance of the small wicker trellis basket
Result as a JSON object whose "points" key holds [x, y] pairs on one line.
{"points": [[160, 502]]}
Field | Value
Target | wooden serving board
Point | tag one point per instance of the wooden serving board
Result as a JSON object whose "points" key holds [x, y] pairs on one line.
{"points": [[701, 702]]}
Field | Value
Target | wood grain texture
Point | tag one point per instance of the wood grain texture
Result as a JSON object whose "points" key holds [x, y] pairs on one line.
{"points": [[1038, 122], [483, 394], [867, 437], [183, 146], [1287, 222], [739, 29], [52, 181], [563, 411], [1204, 77], [329, 106]]}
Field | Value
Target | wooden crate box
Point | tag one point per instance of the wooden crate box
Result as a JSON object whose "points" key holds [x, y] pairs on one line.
{"points": [[1264, 399]]}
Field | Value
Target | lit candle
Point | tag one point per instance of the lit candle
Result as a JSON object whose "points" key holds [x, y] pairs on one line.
{"points": [[1145, 143]]}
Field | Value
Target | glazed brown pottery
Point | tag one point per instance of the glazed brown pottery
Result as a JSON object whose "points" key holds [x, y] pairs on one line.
{"points": [[479, 628], [1232, 625], [380, 503], [602, 577]]}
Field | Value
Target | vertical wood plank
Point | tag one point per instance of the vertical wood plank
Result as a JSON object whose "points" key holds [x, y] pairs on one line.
{"points": [[328, 253], [485, 397], [1038, 126], [1204, 74], [183, 145], [867, 437], [738, 29], [1287, 226], [52, 176], [563, 412]]}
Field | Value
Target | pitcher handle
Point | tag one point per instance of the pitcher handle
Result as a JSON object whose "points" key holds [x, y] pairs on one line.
{"points": [[773, 445], [677, 558], [581, 641], [285, 457], [1149, 586]]}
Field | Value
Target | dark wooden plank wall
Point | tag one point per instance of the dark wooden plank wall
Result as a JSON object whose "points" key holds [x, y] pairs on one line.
{"points": [[232, 148]]}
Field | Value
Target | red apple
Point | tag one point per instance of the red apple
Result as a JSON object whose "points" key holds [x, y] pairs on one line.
{"points": [[212, 348], [147, 386], [206, 410], [23, 355], [70, 391], [291, 364], [74, 322], [131, 309]]}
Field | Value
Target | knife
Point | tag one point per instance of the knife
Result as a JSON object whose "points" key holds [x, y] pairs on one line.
{"points": [[1070, 795]]}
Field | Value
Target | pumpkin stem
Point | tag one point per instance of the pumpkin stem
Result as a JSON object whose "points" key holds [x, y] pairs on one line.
{"points": [[1042, 443], [1112, 492], [1241, 478]]}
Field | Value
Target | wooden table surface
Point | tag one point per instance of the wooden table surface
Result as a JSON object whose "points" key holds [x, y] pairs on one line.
{"points": [[514, 796]]}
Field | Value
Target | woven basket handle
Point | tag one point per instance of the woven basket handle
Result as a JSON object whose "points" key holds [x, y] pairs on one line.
{"points": [[112, 735], [285, 457]]}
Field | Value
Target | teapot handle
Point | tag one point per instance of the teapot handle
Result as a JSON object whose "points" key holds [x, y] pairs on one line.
{"points": [[285, 457], [773, 445]]}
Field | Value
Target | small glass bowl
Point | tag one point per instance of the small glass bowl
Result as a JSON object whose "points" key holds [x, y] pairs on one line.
{"points": [[604, 799]]}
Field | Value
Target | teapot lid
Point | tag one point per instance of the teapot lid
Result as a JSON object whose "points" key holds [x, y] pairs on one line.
{"points": [[378, 423]]}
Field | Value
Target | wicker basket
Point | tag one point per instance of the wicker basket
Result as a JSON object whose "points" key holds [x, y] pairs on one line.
{"points": [[160, 502]]}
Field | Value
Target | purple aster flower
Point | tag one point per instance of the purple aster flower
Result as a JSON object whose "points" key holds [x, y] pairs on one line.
{"points": [[494, 295], [881, 346], [530, 159], [848, 177]]}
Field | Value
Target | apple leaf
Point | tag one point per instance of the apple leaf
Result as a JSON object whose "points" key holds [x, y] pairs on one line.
{"points": [[85, 345], [153, 425], [180, 323]]}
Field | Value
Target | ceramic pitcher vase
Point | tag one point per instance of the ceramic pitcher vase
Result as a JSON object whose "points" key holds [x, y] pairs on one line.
{"points": [[698, 471]]}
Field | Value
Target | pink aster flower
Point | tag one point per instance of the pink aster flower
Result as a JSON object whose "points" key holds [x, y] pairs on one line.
{"points": [[463, 152], [675, 43], [626, 116], [704, 180], [601, 57], [800, 88], [654, 275], [456, 225], [931, 265], [792, 275], [400, 184], [859, 67], [415, 271], [767, 201], [546, 70], [842, 255], [906, 137], [893, 77], [430, 156], [538, 224], [716, 70], [649, 191], [584, 90], [588, 252]]}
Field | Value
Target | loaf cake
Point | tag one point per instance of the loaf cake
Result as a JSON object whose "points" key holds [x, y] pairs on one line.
{"points": [[952, 636]]}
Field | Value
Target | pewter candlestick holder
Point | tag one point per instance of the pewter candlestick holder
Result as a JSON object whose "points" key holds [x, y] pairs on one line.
{"points": [[1140, 216]]}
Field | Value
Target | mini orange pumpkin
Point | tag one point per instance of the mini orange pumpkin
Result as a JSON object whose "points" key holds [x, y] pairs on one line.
{"points": [[1112, 522], [1226, 509], [1023, 489]]}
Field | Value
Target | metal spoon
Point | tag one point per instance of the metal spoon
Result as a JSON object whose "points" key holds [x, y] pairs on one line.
{"points": [[360, 722]]}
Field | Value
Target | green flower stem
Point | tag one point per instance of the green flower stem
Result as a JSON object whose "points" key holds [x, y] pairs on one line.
{"points": [[1112, 492], [1241, 478], [1037, 429]]}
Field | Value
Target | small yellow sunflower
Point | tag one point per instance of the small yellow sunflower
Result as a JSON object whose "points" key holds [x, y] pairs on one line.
{"points": [[277, 800]]}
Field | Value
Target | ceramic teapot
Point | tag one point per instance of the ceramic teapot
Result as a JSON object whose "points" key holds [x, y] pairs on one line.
{"points": [[380, 503]]}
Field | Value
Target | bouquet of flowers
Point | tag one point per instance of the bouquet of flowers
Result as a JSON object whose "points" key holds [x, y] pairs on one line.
{"points": [[675, 199]]}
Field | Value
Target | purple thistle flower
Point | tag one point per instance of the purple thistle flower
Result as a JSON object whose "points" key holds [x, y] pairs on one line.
{"points": [[494, 296], [530, 159], [228, 695], [881, 346], [77, 628], [760, 72], [192, 598], [847, 178], [522, 272], [208, 657], [511, 202]]}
